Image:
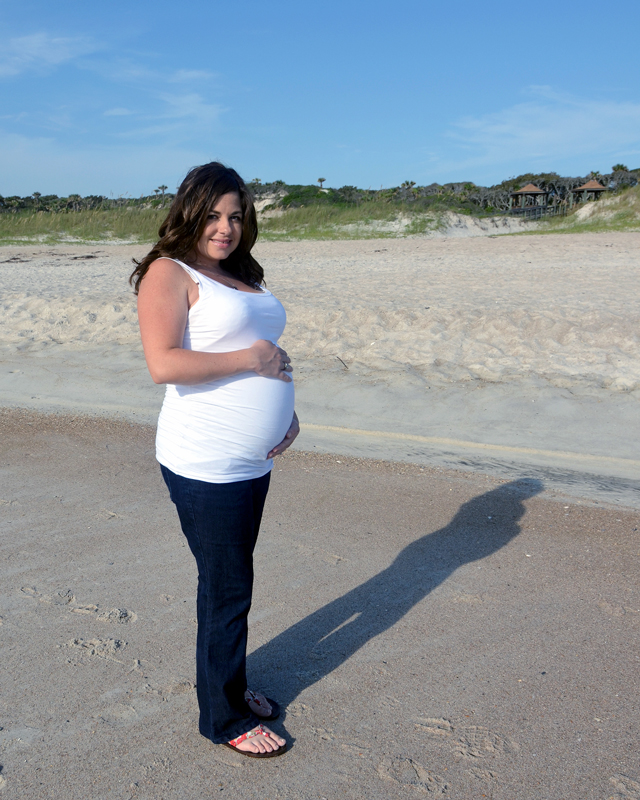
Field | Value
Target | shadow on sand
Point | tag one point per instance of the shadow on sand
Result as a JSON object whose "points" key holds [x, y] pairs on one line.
{"points": [[318, 644]]}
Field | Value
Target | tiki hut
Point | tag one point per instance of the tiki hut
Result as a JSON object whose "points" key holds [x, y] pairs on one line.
{"points": [[591, 190], [528, 197]]}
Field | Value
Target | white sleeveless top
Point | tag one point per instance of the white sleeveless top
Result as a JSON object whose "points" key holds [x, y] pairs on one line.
{"points": [[221, 431]]}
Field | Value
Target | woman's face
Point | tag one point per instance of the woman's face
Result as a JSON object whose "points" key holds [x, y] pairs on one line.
{"points": [[222, 232]]}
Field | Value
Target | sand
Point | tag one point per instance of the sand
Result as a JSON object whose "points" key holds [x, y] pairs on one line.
{"points": [[458, 619], [488, 353], [428, 631]]}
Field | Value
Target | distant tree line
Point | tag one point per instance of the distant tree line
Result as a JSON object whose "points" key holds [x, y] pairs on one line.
{"points": [[462, 196], [74, 202]]}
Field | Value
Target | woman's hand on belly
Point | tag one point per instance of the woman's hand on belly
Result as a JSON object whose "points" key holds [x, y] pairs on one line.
{"points": [[290, 435], [270, 361], [163, 309]]}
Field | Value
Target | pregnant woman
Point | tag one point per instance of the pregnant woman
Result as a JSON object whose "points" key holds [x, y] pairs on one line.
{"points": [[210, 330]]}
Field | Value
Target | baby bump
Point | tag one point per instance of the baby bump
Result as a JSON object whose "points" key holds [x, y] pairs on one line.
{"points": [[222, 431], [261, 411]]}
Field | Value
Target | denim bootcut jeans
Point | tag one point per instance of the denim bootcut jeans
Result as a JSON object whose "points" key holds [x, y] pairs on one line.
{"points": [[221, 523]]}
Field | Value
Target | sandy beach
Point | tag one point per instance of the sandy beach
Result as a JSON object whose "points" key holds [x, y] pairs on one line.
{"points": [[447, 583], [480, 353], [428, 631]]}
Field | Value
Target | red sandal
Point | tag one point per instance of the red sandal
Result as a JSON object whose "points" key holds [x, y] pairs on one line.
{"points": [[258, 731]]}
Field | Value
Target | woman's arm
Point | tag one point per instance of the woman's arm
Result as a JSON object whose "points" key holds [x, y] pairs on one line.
{"points": [[166, 293]]}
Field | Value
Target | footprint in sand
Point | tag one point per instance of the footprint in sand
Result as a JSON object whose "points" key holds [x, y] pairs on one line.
{"points": [[179, 687], [616, 610], [65, 597], [625, 788], [101, 648], [407, 772], [326, 734], [299, 710], [483, 774], [467, 741], [88, 609], [122, 616], [61, 598], [434, 726], [475, 742]]}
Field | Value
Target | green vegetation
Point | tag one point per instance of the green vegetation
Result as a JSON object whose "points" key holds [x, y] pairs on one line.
{"points": [[371, 220], [128, 224], [312, 212], [618, 213]]}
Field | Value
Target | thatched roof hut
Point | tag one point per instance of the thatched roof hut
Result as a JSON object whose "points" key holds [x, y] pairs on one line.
{"points": [[529, 189], [590, 186], [591, 190], [527, 197]]}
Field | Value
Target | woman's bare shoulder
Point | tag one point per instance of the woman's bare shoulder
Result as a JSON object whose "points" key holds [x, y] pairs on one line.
{"points": [[167, 264], [166, 276], [166, 269]]}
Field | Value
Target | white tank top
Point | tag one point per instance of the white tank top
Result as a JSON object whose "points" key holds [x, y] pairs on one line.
{"points": [[221, 431]]}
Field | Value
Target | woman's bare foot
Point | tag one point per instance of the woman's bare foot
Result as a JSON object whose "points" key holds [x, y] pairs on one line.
{"points": [[259, 704], [259, 742]]}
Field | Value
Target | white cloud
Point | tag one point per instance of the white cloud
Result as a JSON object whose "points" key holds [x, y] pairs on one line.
{"points": [[41, 52], [177, 114], [192, 107], [192, 75], [181, 117], [123, 70], [547, 130]]}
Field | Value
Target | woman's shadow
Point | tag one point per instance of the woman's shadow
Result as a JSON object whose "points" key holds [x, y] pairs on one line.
{"points": [[321, 642]]}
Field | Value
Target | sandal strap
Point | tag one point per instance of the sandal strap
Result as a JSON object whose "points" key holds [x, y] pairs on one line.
{"points": [[258, 731], [254, 696], [254, 699]]}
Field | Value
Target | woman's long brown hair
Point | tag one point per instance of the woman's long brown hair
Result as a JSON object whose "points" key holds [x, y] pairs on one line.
{"points": [[187, 218]]}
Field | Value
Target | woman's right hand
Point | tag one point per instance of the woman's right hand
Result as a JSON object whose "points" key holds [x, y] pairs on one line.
{"points": [[271, 361]]}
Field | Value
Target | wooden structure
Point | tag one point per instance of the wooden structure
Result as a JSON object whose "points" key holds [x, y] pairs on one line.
{"points": [[530, 201], [591, 190]]}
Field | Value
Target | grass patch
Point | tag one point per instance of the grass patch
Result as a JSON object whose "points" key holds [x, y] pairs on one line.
{"points": [[129, 224], [618, 213], [370, 220]]}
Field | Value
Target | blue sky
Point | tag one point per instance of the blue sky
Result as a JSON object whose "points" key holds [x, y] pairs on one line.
{"points": [[120, 97]]}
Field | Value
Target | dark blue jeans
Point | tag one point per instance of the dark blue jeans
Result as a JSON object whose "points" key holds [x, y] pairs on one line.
{"points": [[221, 522]]}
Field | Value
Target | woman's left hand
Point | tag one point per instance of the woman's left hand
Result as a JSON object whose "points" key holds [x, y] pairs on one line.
{"points": [[290, 435]]}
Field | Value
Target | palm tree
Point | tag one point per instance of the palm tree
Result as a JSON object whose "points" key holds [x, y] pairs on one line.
{"points": [[162, 189], [321, 181]]}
